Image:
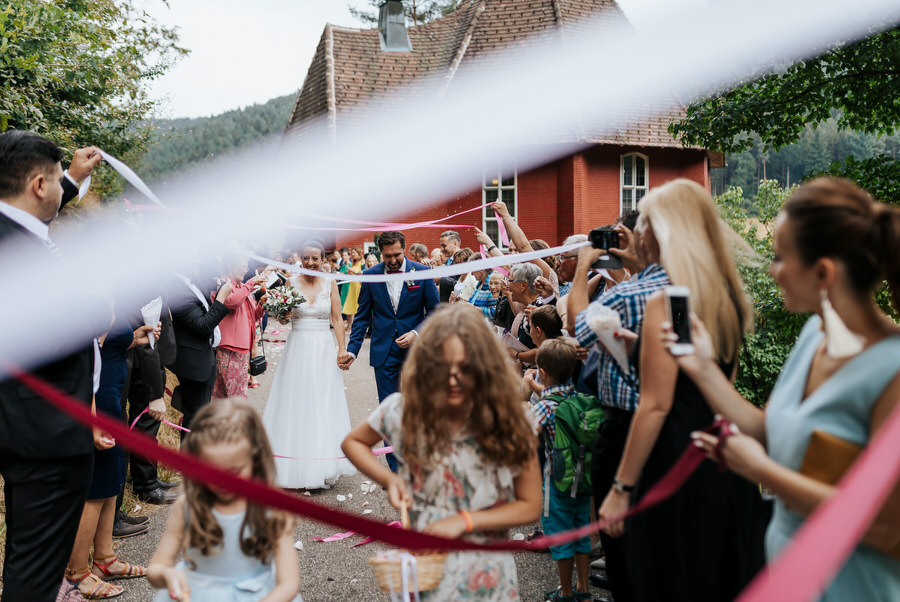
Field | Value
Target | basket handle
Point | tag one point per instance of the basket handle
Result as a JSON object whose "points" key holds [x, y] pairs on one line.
{"points": [[404, 515]]}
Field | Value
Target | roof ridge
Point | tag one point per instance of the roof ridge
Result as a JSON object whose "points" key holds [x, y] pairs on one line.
{"points": [[330, 100], [463, 46]]}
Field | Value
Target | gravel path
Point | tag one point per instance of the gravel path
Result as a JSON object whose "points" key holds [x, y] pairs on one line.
{"points": [[331, 571]]}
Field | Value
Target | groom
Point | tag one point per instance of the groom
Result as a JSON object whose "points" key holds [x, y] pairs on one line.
{"points": [[395, 309]]}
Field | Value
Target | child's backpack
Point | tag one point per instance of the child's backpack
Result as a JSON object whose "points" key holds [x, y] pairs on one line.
{"points": [[577, 418]]}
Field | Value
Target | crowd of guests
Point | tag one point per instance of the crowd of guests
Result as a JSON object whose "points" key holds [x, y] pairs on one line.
{"points": [[513, 407]]}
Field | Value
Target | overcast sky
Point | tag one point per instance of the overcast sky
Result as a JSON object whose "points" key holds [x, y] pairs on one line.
{"points": [[245, 53]]}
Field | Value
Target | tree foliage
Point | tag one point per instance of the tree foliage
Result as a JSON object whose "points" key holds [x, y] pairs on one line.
{"points": [[866, 158], [177, 144], [859, 79], [417, 11], [76, 71]]}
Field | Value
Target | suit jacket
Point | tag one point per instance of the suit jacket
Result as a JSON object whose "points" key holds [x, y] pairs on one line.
{"points": [[193, 326], [29, 426], [375, 307]]}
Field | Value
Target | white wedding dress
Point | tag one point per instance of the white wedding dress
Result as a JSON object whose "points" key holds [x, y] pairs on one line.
{"points": [[306, 416]]}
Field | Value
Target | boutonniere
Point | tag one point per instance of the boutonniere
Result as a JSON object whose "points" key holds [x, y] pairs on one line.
{"points": [[411, 284]]}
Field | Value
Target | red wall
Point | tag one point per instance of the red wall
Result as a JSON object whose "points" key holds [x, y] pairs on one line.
{"points": [[569, 196]]}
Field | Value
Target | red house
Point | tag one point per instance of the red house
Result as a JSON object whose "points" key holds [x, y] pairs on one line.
{"points": [[571, 195]]}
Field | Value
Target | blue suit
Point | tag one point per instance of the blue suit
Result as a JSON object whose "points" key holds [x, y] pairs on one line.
{"points": [[375, 307]]}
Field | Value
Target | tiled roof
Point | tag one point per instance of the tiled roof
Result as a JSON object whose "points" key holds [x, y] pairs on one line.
{"points": [[350, 67]]}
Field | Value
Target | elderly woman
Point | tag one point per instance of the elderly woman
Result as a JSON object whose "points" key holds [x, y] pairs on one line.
{"points": [[524, 295]]}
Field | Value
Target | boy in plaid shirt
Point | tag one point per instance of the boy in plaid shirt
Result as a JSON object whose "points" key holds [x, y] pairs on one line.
{"points": [[556, 360]]}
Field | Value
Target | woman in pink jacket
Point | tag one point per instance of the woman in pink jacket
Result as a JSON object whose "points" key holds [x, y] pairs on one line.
{"points": [[237, 329]]}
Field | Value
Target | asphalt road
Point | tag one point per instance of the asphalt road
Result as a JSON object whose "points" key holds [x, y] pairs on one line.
{"points": [[331, 571]]}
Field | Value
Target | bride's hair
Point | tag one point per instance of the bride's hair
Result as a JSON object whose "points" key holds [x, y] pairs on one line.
{"points": [[314, 243], [497, 419]]}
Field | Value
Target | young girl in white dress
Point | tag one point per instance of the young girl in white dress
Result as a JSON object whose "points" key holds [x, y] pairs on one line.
{"points": [[306, 415], [233, 549]]}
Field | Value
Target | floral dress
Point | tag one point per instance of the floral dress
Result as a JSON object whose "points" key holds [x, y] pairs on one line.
{"points": [[462, 480]]}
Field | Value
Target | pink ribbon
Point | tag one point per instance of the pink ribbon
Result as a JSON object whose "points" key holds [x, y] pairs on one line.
{"points": [[483, 250], [501, 228], [164, 421], [346, 534]]}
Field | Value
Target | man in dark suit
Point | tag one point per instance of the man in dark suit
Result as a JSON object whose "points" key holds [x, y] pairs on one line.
{"points": [[395, 310], [195, 322], [46, 458]]}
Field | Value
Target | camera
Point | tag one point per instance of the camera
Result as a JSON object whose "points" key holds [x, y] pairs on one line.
{"points": [[604, 238]]}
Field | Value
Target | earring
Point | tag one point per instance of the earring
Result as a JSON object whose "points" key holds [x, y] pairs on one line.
{"points": [[839, 340]]}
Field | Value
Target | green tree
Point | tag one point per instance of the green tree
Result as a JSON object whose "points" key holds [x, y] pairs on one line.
{"points": [[417, 11], [76, 71], [860, 80]]}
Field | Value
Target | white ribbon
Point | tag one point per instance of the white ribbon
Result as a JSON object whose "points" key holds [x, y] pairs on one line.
{"points": [[407, 574], [440, 272]]}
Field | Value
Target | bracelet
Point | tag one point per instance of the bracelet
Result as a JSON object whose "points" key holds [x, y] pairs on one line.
{"points": [[517, 355], [491, 248], [470, 524], [622, 487]]}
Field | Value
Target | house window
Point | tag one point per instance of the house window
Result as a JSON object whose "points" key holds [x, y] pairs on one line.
{"points": [[498, 185], [634, 184]]}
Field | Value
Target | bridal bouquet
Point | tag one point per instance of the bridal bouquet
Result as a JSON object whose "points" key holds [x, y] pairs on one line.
{"points": [[282, 300]]}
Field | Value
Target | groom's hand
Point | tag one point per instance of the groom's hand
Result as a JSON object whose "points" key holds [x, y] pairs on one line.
{"points": [[406, 340]]}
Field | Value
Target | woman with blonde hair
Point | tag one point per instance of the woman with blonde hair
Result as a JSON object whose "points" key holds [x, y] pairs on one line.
{"points": [[458, 477], [714, 523], [350, 303]]}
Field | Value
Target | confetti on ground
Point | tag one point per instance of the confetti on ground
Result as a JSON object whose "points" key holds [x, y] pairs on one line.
{"points": [[298, 544], [519, 537], [137, 507], [341, 498], [306, 493], [365, 503], [350, 496], [367, 511]]}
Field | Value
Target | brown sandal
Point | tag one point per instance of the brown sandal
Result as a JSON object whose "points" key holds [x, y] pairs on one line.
{"points": [[129, 571], [93, 587]]}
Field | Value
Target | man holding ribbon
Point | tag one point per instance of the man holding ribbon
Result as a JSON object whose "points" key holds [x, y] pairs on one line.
{"points": [[46, 458], [394, 309]]}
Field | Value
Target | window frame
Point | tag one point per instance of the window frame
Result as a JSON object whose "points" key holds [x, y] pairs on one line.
{"points": [[633, 187], [487, 214]]}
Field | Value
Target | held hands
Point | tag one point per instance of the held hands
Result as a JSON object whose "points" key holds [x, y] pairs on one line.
{"points": [[157, 409], [344, 360], [406, 340], [615, 503]]}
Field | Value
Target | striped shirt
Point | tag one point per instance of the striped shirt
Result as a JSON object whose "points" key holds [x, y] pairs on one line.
{"points": [[617, 389], [545, 409]]}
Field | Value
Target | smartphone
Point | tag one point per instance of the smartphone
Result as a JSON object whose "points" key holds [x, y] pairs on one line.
{"points": [[678, 310], [604, 239]]}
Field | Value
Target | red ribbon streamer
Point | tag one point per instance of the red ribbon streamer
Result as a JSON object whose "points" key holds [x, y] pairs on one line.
{"points": [[265, 494]]}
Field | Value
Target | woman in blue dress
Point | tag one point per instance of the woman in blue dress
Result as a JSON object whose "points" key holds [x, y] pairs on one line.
{"points": [[834, 245]]}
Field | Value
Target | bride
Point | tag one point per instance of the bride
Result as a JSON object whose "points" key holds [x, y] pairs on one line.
{"points": [[306, 416]]}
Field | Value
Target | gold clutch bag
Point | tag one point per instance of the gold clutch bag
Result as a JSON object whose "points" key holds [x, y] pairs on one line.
{"points": [[827, 458]]}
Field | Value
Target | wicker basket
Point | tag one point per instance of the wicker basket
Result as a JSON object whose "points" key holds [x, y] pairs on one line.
{"points": [[429, 568]]}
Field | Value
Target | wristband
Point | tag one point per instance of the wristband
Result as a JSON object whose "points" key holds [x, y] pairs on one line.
{"points": [[491, 248], [517, 355], [470, 524], [622, 487]]}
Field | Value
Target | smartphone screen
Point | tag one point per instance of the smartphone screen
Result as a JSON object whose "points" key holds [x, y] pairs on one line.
{"points": [[681, 322]]}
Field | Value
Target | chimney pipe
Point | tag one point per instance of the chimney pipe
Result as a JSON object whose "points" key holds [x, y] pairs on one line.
{"points": [[392, 22]]}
